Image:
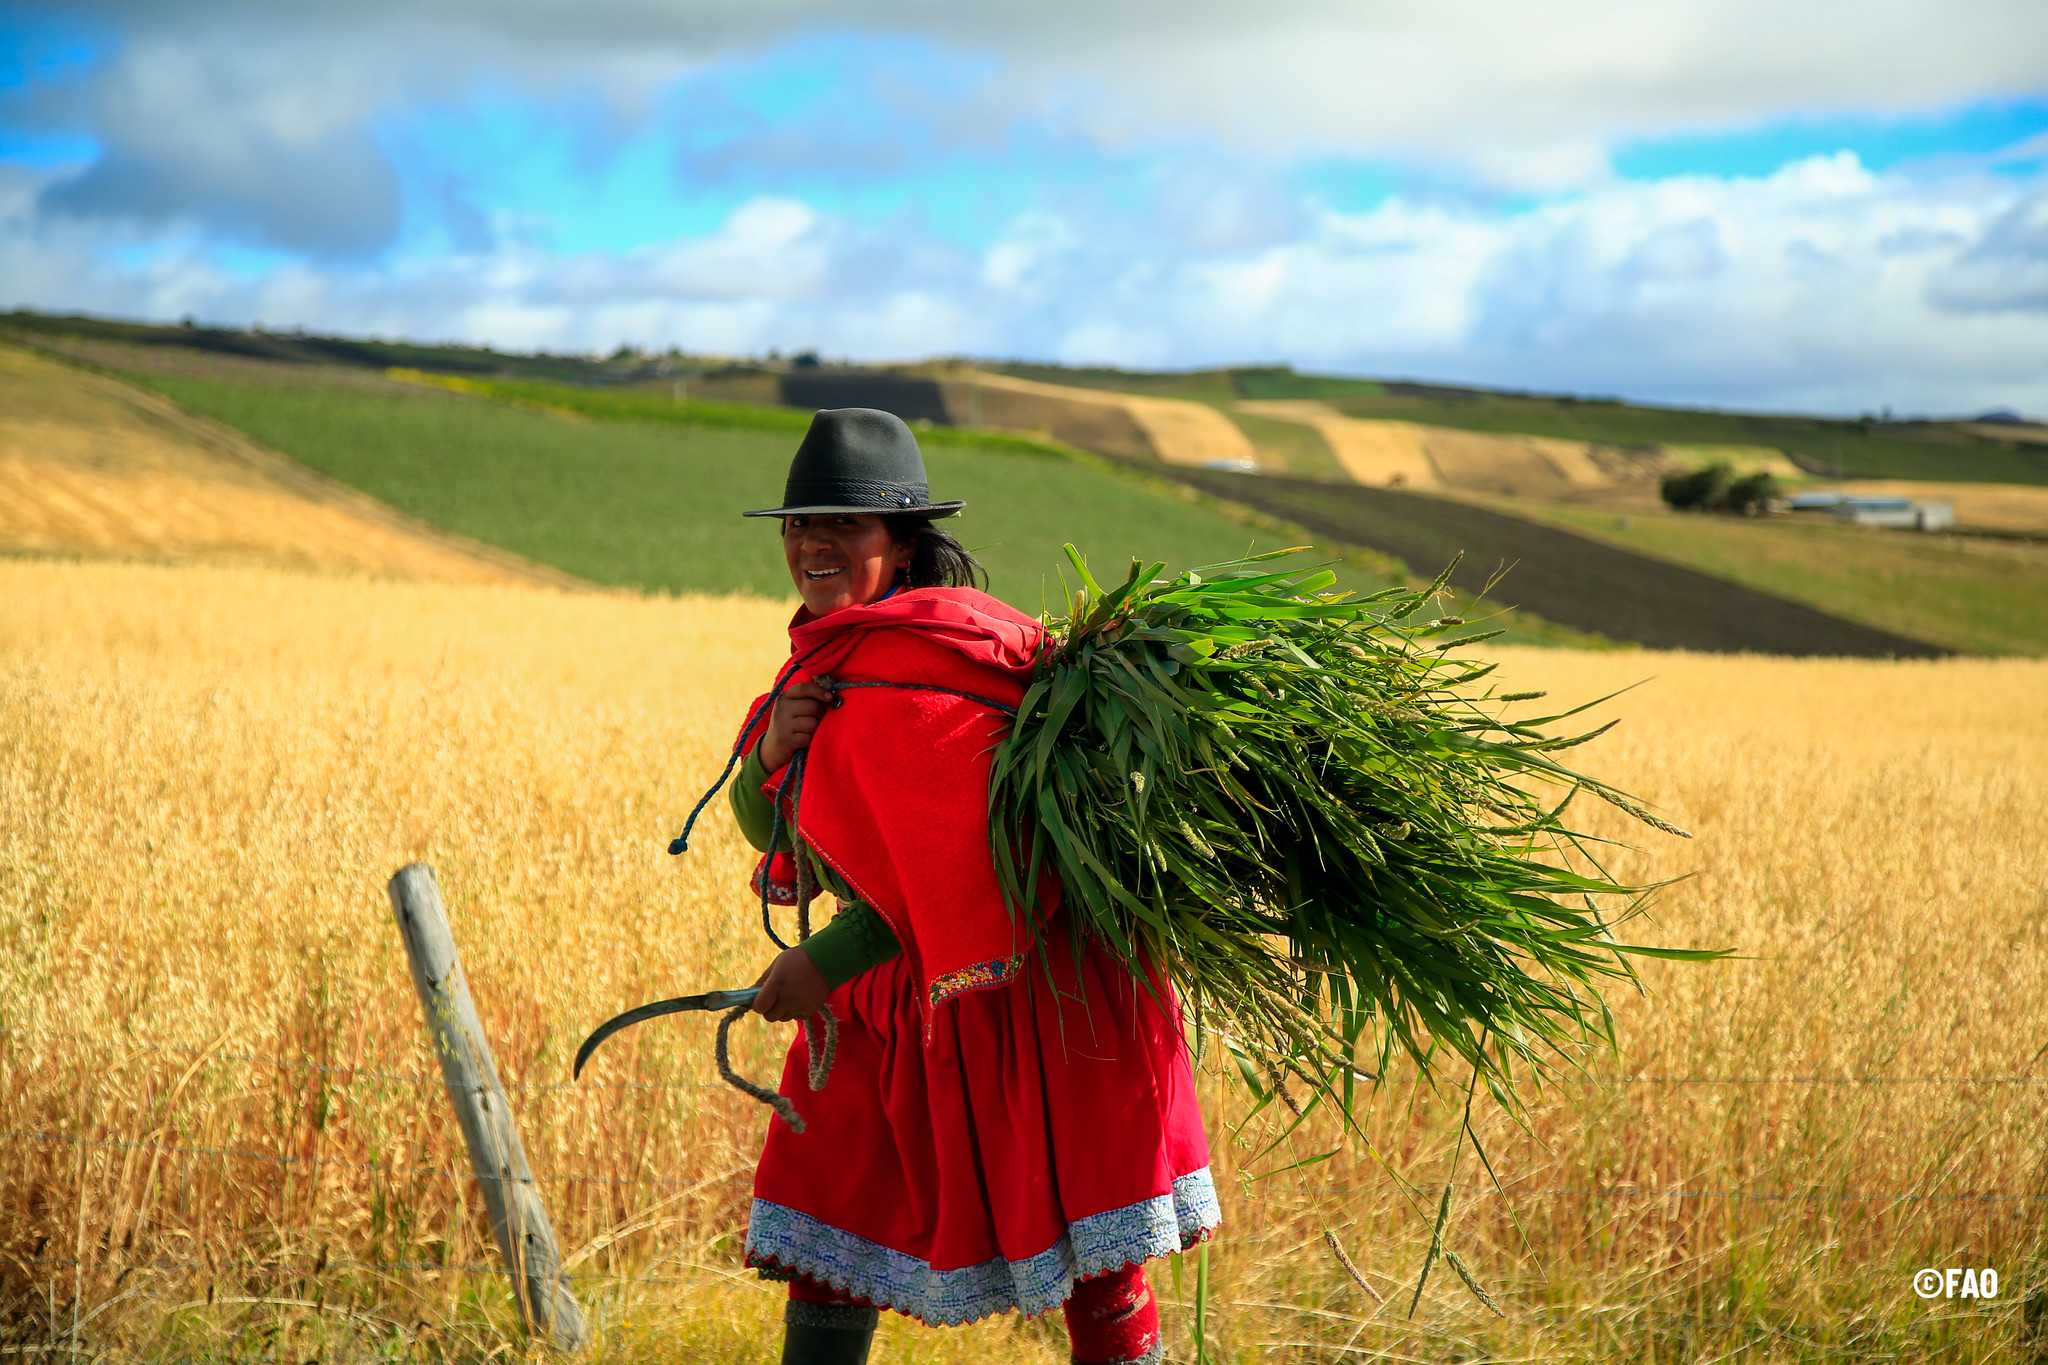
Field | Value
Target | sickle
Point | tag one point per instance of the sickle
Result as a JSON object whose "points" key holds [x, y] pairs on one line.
{"points": [[710, 1000]]}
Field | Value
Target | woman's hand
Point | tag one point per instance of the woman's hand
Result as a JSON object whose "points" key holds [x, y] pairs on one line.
{"points": [[793, 722], [791, 988]]}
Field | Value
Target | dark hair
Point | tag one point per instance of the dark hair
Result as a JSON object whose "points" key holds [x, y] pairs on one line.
{"points": [[939, 561]]}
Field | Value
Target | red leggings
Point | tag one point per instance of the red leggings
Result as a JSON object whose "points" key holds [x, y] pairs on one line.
{"points": [[1111, 1319]]}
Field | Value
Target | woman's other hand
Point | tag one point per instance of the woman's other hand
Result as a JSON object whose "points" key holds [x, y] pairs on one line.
{"points": [[793, 722], [791, 988]]}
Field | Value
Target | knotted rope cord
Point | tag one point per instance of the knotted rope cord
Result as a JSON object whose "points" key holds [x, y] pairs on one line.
{"points": [[681, 843], [789, 787], [775, 1100], [806, 887], [930, 687], [821, 1043], [823, 1050]]}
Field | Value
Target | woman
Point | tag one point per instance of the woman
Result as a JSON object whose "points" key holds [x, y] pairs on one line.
{"points": [[1001, 1128]]}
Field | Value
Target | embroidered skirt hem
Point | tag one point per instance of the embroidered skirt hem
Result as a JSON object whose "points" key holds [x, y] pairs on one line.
{"points": [[1043, 1131], [783, 1241]]}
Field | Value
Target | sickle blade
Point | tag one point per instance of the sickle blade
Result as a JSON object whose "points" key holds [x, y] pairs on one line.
{"points": [[710, 1000]]}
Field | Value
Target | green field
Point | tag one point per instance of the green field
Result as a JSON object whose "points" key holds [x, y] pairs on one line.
{"points": [[654, 504], [661, 408], [612, 479], [298, 348], [1980, 596], [1299, 449], [1937, 451]]}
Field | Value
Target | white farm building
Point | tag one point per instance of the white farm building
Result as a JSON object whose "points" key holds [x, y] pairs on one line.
{"points": [[1902, 513]]}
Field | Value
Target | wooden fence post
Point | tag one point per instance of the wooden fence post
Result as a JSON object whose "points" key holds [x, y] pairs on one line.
{"points": [[518, 1219]]}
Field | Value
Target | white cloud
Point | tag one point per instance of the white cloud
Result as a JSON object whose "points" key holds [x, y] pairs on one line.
{"points": [[2007, 269], [1524, 93], [271, 143], [1823, 287]]}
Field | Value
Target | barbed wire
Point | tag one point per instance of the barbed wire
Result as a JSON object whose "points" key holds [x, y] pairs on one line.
{"points": [[1632, 1192], [1435, 1327], [417, 1078], [315, 1266], [1606, 1192], [1817, 1080], [489, 1269], [241, 1154]]}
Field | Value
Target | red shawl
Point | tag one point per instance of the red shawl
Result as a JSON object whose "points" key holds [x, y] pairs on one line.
{"points": [[895, 788]]}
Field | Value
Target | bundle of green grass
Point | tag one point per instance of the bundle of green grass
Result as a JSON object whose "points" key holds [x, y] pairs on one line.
{"points": [[1318, 824]]}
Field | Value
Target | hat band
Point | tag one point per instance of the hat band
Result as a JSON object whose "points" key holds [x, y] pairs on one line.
{"points": [[856, 492]]}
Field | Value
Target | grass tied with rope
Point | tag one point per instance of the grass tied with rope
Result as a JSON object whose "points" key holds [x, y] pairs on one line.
{"points": [[1297, 802]]}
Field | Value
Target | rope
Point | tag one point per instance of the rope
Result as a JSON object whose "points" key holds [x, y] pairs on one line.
{"points": [[929, 687], [791, 786], [806, 892], [821, 1043], [822, 1054], [821, 1040], [681, 843], [775, 1100]]}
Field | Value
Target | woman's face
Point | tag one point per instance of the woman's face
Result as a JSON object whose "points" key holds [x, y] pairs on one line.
{"points": [[840, 560]]}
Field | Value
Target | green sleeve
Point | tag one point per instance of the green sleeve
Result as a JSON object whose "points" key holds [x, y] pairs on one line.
{"points": [[751, 807], [857, 940], [756, 816]]}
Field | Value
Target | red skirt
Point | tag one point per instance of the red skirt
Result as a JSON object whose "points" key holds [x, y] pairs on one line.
{"points": [[1043, 1136]]}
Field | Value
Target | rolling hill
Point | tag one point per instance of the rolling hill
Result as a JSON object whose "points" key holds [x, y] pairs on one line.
{"points": [[1864, 447], [91, 465], [643, 494], [576, 462]]}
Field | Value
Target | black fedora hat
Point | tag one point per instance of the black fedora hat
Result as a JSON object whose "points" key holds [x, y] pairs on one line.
{"points": [[858, 460]]}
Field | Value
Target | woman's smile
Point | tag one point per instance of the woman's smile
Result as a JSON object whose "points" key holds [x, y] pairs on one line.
{"points": [[841, 559]]}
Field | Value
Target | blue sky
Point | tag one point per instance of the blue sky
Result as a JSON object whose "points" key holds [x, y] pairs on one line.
{"points": [[1971, 132], [1715, 201]]}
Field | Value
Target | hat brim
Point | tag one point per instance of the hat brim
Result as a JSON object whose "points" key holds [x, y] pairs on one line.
{"points": [[930, 510]]}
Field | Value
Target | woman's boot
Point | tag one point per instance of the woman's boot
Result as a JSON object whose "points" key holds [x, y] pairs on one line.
{"points": [[1114, 1320], [826, 1333]]}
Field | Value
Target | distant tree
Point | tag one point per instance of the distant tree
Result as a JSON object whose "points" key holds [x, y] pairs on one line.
{"points": [[1716, 489], [1752, 496], [1700, 491]]}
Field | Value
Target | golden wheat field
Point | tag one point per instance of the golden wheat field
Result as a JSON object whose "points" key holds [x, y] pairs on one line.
{"points": [[222, 1135]]}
